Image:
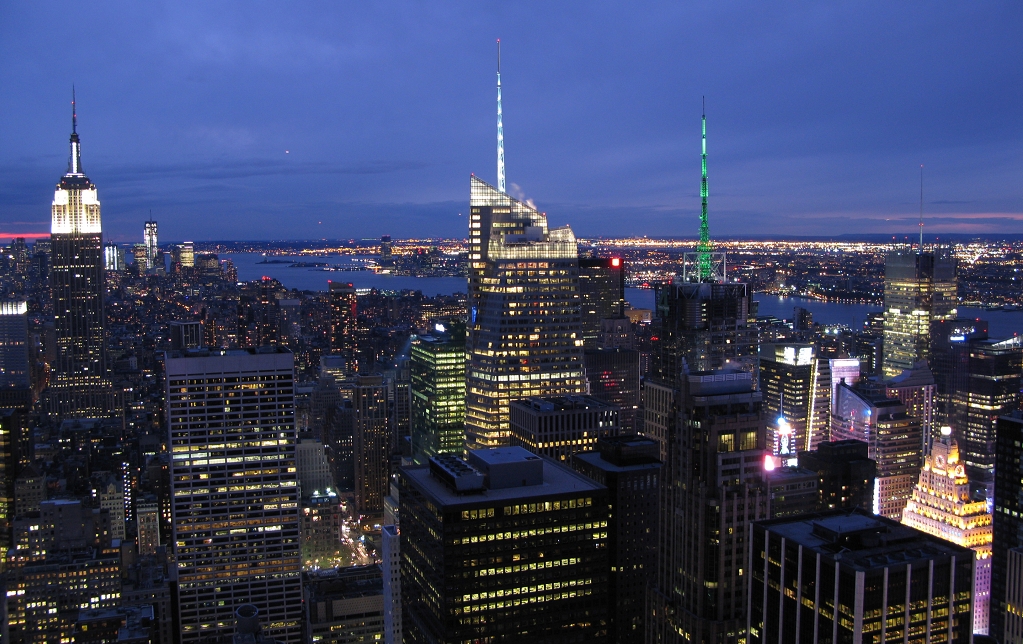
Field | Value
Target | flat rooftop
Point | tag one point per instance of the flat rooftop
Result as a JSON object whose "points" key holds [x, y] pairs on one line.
{"points": [[557, 480], [862, 540]]}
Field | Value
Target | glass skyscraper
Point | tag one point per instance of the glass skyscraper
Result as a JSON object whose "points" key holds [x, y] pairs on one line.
{"points": [[525, 331], [438, 392], [919, 288]]}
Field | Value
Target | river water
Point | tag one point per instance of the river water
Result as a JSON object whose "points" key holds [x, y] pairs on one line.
{"points": [[1002, 324]]}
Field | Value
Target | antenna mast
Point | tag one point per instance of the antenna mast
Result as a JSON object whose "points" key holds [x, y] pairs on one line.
{"points": [[704, 246], [500, 126], [921, 208]]}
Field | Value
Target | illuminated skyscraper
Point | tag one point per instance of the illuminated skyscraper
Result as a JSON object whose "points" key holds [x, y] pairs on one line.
{"points": [[234, 485], [503, 546], [919, 288], [438, 392], [797, 398], [941, 506], [113, 257], [14, 372], [151, 242], [893, 439], [78, 387], [525, 334], [343, 317]]}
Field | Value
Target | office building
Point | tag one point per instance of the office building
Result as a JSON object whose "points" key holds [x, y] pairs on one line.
{"points": [[186, 334], [147, 517], [628, 467], [343, 318], [345, 605], [949, 361], [371, 433], [796, 385], [714, 488], [14, 369], [893, 439], [613, 376], [853, 577], [320, 523], [941, 506], [437, 365], [314, 474], [78, 384], [987, 378], [524, 332], [113, 257], [792, 490], [845, 474], [234, 489], [916, 389], [151, 241], [186, 254], [602, 294], [1007, 518], [390, 554], [141, 256], [919, 289], [1013, 631], [559, 426], [843, 370], [505, 545]]}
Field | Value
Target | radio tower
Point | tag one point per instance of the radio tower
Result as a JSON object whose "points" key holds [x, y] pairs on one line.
{"points": [[500, 126], [704, 247], [921, 208]]}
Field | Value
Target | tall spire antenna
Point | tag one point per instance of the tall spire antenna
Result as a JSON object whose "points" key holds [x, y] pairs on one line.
{"points": [[921, 208], [500, 126], [704, 247], [74, 165]]}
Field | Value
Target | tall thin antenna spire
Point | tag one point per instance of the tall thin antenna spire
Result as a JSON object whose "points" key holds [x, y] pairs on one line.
{"points": [[500, 125], [74, 165], [704, 247], [921, 208]]}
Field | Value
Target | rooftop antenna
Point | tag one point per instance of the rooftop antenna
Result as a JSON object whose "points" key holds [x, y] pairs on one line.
{"points": [[74, 112], [500, 126], [75, 162], [704, 246], [921, 208]]}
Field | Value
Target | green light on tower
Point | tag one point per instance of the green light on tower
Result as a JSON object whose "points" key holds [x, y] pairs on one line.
{"points": [[704, 247]]}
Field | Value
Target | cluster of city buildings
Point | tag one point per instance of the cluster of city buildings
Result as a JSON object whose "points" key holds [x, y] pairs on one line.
{"points": [[184, 458]]}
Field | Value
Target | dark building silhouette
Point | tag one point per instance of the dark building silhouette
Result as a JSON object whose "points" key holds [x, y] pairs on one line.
{"points": [[628, 467], [845, 474], [602, 293], [1007, 519]]}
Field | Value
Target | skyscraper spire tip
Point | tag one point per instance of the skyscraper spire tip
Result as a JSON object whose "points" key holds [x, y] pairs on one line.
{"points": [[500, 126], [74, 112]]}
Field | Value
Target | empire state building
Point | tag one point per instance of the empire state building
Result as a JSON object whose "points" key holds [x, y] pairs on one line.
{"points": [[78, 384]]}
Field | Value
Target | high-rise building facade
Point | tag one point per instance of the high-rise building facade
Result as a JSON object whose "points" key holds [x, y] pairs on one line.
{"points": [[628, 467], [613, 377], [989, 374], [796, 385], [942, 506], [524, 332], [560, 426], [845, 474], [504, 546], [602, 293], [343, 317], [371, 434], [713, 489], [893, 439], [1007, 518], [919, 289], [14, 370], [855, 577], [916, 389], [151, 241], [78, 386], [234, 490], [437, 368]]}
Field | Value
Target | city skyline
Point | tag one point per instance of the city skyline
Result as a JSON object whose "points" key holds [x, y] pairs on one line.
{"points": [[812, 112]]}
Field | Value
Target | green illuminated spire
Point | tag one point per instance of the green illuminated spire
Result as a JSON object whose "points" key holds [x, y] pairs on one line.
{"points": [[704, 247]]}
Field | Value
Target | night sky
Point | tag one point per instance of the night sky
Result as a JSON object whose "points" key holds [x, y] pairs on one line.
{"points": [[819, 115]]}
